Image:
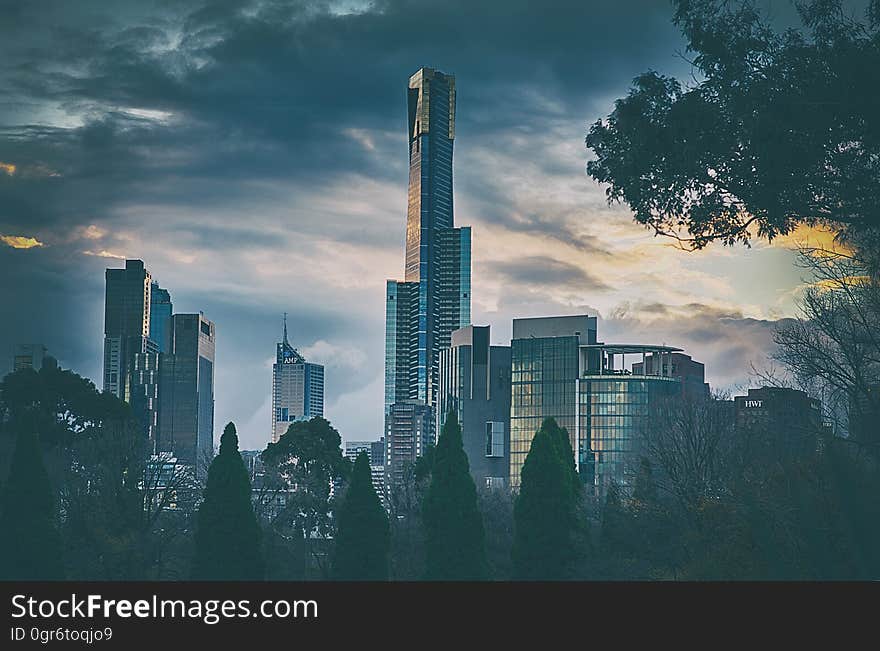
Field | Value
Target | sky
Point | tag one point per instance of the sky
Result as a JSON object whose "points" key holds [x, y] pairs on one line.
{"points": [[253, 154]]}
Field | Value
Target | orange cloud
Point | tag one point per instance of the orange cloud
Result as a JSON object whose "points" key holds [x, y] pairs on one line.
{"points": [[813, 237], [20, 242]]}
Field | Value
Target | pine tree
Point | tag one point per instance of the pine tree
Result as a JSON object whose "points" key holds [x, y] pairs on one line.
{"points": [[544, 513], [30, 547], [227, 535], [455, 542], [362, 535]]}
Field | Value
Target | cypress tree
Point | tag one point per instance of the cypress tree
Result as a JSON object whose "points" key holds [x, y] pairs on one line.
{"points": [[562, 444], [362, 536], [544, 513], [455, 542], [227, 535], [30, 546]]}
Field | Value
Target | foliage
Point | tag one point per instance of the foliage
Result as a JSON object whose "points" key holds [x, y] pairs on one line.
{"points": [[362, 534], [778, 129], [302, 467], [455, 546], [544, 512], [30, 547], [228, 537]]}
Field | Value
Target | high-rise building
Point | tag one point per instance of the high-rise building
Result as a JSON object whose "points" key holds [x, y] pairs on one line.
{"points": [[160, 316], [409, 430], [434, 297], [28, 356], [130, 356], [475, 383], [186, 409], [297, 387]]}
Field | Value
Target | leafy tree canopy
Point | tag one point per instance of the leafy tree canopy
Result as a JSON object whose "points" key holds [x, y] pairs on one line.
{"points": [[779, 129]]}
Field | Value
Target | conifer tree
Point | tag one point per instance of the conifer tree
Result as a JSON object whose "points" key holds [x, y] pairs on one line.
{"points": [[228, 535], [30, 546], [362, 535], [455, 544], [544, 512]]}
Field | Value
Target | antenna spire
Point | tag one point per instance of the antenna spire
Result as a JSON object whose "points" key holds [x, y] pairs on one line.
{"points": [[285, 329]]}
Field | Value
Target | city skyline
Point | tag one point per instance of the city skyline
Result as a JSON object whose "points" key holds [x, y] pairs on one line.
{"points": [[544, 243]]}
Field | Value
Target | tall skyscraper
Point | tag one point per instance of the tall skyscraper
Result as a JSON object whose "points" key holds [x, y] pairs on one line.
{"points": [[130, 357], [475, 383], [160, 316], [186, 409], [434, 298], [297, 387]]}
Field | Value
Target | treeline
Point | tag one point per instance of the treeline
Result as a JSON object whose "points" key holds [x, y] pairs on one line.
{"points": [[78, 502]]}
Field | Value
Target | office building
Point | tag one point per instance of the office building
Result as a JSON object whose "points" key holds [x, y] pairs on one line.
{"points": [[186, 399], [602, 394], [475, 384], [782, 422], [28, 356], [161, 310], [434, 297], [375, 450], [409, 430], [297, 387], [130, 356], [691, 373]]}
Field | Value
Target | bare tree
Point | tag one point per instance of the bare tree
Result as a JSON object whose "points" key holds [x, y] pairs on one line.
{"points": [[835, 346]]}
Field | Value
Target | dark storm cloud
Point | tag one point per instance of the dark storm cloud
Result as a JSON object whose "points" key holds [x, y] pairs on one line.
{"points": [[210, 132], [543, 271]]}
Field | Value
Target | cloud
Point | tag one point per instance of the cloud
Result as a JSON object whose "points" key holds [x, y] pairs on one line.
{"points": [[544, 272], [20, 241], [253, 154]]}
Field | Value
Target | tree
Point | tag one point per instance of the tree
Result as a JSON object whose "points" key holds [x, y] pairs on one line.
{"points": [[301, 468], [30, 547], [544, 513], [455, 542], [779, 130], [362, 534], [227, 536]]}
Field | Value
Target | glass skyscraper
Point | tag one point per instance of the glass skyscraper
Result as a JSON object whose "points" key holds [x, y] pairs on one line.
{"points": [[186, 414], [131, 357], [434, 297], [297, 387], [160, 316]]}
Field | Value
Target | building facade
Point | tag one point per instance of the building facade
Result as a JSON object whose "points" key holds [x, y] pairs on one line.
{"points": [[409, 430], [28, 356], [161, 310], [297, 388], [782, 422], [434, 298], [186, 398], [475, 384], [545, 367], [604, 395], [131, 357]]}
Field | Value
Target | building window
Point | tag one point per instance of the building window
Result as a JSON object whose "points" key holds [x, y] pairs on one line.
{"points": [[494, 439]]}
